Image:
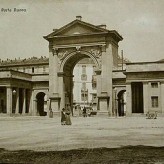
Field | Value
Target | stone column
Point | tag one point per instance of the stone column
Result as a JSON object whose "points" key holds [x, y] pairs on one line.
{"points": [[146, 97], [30, 102], [108, 75], [17, 101], [33, 104], [53, 80], [98, 78], [24, 101], [128, 99], [9, 100], [105, 97], [61, 89]]}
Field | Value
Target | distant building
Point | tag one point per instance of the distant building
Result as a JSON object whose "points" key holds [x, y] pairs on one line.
{"points": [[85, 92]]}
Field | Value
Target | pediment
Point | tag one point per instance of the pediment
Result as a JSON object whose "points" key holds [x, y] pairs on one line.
{"points": [[76, 28]]}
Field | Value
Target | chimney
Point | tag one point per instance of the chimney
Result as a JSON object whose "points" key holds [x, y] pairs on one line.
{"points": [[102, 26], [55, 29], [79, 17]]}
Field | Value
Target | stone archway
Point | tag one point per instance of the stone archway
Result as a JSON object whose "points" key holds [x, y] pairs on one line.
{"points": [[61, 79], [66, 67], [71, 43]]}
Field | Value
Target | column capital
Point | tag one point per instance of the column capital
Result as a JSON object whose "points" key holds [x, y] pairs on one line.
{"points": [[103, 48], [55, 51]]}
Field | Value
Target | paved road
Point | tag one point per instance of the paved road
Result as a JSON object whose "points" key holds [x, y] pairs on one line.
{"points": [[47, 134]]}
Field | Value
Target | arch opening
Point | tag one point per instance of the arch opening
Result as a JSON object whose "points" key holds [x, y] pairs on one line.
{"points": [[121, 97], [78, 82], [41, 102]]}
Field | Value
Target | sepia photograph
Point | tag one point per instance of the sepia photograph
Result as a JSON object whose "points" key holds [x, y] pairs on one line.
{"points": [[81, 81]]}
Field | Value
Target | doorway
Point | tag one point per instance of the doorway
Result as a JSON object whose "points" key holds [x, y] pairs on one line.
{"points": [[137, 97], [40, 104]]}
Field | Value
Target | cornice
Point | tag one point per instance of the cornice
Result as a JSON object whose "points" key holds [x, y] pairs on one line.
{"points": [[81, 45]]}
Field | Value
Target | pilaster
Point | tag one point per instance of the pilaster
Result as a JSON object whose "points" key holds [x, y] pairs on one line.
{"points": [[61, 89], [128, 99], [146, 97], [9, 100], [53, 69]]}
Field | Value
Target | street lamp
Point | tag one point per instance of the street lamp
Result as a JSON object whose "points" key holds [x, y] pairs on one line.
{"points": [[115, 100], [14, 92]]}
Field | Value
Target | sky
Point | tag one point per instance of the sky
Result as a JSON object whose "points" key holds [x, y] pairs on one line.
{"points": [[139, 22]]}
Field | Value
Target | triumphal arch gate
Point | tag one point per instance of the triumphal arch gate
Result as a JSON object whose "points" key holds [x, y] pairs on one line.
{"points": [[67, 46]]}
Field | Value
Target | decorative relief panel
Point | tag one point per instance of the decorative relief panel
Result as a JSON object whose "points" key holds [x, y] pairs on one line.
{"points": [[63, 53], [96, 52]]}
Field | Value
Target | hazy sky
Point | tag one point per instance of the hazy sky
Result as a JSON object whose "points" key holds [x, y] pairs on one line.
{"points": [[140, 22]]}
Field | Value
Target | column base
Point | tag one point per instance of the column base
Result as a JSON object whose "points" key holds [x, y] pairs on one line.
{"points": [[53, 114], [55, 104], [103, 105]]}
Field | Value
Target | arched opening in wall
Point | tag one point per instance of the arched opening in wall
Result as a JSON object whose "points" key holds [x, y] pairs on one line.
{"points": [[80, 83], [121, 97], [40, 98]]}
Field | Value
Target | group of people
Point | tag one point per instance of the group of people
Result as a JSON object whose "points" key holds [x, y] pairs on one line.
{"points": [[65, 116]]}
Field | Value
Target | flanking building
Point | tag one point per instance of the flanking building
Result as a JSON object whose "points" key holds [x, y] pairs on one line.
{"points": [[83, 68]]}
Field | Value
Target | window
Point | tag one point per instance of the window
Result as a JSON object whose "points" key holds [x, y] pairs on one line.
{"points": [[154, 85], [84, 96], [83, 86], [84, 77], [83, 69], [84, 92], [94, 83], [94, 96], [32, 69], [154, 101]]}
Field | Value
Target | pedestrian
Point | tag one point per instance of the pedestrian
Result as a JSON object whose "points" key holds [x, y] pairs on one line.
{"points": [[63, 117], [84, 112], [67, 114]]}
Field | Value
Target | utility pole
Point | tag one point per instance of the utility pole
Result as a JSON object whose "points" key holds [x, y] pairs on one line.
{"points": [[122, 59]]}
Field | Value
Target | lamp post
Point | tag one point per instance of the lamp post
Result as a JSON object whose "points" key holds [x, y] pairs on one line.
{"points": [[115, 100], [14, 101]]}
